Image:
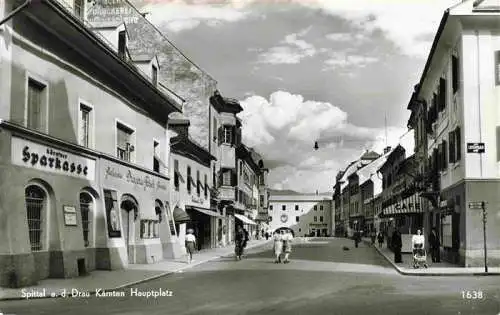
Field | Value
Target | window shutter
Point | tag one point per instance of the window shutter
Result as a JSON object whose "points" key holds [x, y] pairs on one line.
{"points": [[221, 182], [234, 178], [451, 148], [439, 158], [233, 135], [445, 153], [497, 67], [455, 73], [458, 144], [221, 134]]}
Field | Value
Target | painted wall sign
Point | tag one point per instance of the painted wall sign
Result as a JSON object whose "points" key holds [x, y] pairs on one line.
{"points": [[134, 177], [45, 158], [475, 147], [113, 11]]}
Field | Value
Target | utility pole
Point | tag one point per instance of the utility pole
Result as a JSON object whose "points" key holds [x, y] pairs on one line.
{"points": [[483, 206]]}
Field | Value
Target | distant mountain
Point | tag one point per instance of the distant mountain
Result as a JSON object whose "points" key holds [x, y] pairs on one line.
{"points": [[283, 192]]}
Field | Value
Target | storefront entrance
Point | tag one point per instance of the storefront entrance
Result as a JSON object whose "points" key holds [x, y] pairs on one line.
{"points": [[128, 210]]}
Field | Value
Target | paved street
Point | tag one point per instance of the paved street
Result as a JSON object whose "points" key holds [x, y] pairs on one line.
{"points": [[321, 279]]}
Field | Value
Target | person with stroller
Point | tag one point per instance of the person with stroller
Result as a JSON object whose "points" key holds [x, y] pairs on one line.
{"points": [[419, 256]]}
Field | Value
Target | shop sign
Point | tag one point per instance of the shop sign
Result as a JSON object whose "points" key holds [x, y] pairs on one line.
{"points": [[114, 11], [130, 176], [45, 158]]}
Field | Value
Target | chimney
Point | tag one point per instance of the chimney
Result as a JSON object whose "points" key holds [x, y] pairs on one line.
{"points": [[387, 150], [181, 130], [179, 124]]}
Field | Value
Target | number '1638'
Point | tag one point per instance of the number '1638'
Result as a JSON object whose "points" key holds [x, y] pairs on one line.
{"points": [[472, 295]]}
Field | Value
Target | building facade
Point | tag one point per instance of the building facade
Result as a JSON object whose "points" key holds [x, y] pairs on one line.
{"points": [[305, 215], [88, 193], [461, 87], [191, 187]]}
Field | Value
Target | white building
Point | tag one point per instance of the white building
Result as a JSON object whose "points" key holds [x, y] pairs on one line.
{"points": [[461, 87], [304, 214]]}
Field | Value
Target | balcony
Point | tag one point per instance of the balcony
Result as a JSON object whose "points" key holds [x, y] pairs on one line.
{"points": [[228, 156]]}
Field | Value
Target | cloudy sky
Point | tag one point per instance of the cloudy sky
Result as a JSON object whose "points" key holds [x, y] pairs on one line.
{"points": [[332, 71]]}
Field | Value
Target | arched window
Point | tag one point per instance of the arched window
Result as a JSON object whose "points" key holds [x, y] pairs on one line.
{"points": [[86, 202], [36, 199]]}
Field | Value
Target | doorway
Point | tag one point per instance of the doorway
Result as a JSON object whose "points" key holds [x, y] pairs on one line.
{"points": [[129, 209], [125, 229]]}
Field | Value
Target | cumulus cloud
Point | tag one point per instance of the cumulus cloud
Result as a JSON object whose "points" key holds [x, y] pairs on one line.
{"points": [[284, 127], [344, 60], [290, 51]]}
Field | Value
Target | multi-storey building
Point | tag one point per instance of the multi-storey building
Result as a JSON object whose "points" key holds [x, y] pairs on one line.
{"points": [[461, 86], [401, 202], [83, 154], [224, 137], [303, 214], [191, 188]]}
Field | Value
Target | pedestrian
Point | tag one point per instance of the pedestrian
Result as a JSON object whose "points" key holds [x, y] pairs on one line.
{"points": [[239, 242], [380, 238], [373, 236], [397, 244], [267, 236], [190, 243], [434, 245], [278, 247], [418, 240], [357, 238], [287, 245]]}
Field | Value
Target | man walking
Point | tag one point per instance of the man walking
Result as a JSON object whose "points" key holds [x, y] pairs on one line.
{"points": [[434, 246], [397, 244]]}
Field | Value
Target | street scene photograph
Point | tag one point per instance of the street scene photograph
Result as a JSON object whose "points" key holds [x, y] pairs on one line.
{"points": [[250, 157]]}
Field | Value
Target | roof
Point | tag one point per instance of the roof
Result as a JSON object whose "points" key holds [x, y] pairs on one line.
{"points": [[106, 24], [177, 118], [370, 155], [300, 197], [365, 173]]}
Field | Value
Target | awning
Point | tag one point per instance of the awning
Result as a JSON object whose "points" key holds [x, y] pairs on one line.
{"points": [[409, 205], [180, 216], [244, 219], [204, 211]]}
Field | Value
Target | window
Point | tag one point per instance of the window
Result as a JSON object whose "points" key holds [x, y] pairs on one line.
{"points": [[79, 8], [241, 167], [321, 207], [458, 144], [198, 183], [455, 73], [442, 94], [261, 180], [296, 207], [176, 175], [154, 75], [188, 179], [296, 219], [35, 202], [124, 146], [228, 135], [156, 160], [315, 219], [226, 178], [261, 199], [35, 108], [283, 207], [497, 67], [85, 121], [205, 187], [122, 44], [321, 219], [85, 210], [214, 177], [271, 207], [315, 207]]}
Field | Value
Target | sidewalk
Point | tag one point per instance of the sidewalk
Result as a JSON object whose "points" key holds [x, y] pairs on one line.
{"points": [[435, 269], [118, 279]]}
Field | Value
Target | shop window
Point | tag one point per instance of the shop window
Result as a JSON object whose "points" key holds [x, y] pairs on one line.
{"points": [[124, 147], [36, 201], [86, 202], [122, 43], [79, 9], [36, 106]]}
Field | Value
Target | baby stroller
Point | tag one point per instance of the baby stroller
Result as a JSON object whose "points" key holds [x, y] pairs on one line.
{"points": [[419, 256]]}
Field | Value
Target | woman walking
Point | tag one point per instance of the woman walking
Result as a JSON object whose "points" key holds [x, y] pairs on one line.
{"points": [[240, 242], [278, 247], [190, 243], [287, 245]]}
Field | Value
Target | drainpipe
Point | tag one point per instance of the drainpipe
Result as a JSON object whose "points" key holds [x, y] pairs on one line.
{"points": [[14, 12]]}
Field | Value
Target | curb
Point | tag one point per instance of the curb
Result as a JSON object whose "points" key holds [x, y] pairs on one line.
{"points": [[129, 284], [432, 274]]}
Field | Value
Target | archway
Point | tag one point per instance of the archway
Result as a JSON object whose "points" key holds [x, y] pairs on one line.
{"points": [[129, 211], [278, 230]]}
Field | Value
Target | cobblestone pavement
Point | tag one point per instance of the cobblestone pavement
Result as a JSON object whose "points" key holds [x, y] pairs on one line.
{"points": [[322, 278]]}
